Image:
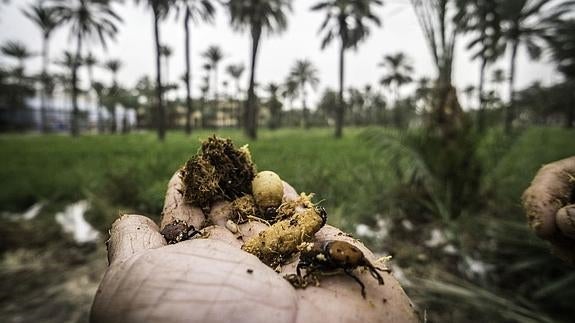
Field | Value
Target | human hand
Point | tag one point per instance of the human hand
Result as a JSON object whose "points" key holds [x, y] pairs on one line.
{"points": [[212, 280], [549, 204]]}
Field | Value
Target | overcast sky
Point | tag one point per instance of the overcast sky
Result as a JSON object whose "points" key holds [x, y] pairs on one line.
{"points": [[134, 46]]}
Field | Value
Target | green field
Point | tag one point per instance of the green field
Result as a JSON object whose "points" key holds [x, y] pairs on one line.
{"points": [[352, 179], [131, 172]]}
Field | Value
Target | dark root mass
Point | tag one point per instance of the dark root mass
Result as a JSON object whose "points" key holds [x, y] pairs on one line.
{"points": [[218, 172]]}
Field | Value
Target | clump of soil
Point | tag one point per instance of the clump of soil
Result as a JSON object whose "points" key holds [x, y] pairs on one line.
{"points": [[280, 241], [244, 208], [218, 172]]}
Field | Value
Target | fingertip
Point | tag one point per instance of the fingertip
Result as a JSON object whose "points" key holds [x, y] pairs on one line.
{"points": [[540, 208], [290, 194], [565, 219], [130, 234]]}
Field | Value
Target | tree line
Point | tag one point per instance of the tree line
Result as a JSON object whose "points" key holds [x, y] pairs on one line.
{"points": [[495, 28]]}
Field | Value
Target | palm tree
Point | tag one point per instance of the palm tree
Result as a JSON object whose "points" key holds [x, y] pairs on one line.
{"points": [[99, 88], [193, 10], [205, 89], [113, 66], [90, 61], [18, 51], [482, 19], [347, 20], [304, 74], [46, 21], [257, 16], [274, 105], [398, 71], [166, 53], [88, 19], [525, 22], [214, 55], [468, 91], [160, 10], [68, 61], [436, 18], [236, 71], [561, 42]]}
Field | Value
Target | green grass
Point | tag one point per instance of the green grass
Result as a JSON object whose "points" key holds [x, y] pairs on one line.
{"points": [[129, 173]]}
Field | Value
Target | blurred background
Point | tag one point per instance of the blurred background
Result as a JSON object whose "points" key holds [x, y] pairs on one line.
{"points": [[418, 123]]}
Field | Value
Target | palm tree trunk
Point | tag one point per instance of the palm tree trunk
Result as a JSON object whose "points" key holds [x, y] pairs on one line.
{"points": [[238, 104], [160, 118], [216, 103], [91, 80], [99, 114], [188, 75], [251, 112], [510, 111], [75, 126], [340, 106], [113, 112], [305, 109], [481, 112], [43, 95]]}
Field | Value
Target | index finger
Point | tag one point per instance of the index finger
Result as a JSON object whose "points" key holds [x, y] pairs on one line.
{"points": [[551, 188], [175, 209]]}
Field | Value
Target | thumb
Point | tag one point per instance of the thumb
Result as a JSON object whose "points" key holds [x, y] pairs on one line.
{"points": [[131, 234]]}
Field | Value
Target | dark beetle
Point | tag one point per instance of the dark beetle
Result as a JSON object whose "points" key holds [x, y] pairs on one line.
{"points": [[329, 256]]}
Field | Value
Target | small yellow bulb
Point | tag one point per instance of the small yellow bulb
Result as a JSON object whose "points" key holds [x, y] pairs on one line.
{"points": [[268, 190]]}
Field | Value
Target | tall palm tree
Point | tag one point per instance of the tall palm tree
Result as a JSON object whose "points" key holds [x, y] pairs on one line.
{"points": [[436, 18], [482, 19], [18, 51], [160, 10], [166, 53], [525, 22], [235, 71], [194, 10], [398, 72], [274, 105], [99, 88], [67, 61], [113, 66], [468, 91], [257, 16], [88, 19], [45, 19], [347, 20], [561, 41], [214, 55], [305, 75], [90, 61]]}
